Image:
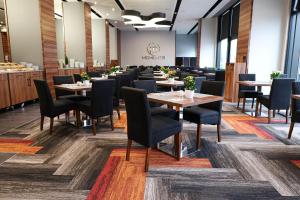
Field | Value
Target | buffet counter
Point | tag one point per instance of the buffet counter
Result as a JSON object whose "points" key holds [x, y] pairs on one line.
{"points": [[17, 86]]}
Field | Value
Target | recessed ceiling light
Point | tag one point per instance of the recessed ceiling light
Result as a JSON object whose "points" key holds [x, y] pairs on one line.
{"points": [[107, 14], [113, 9], [95, 2], [116, 22]]}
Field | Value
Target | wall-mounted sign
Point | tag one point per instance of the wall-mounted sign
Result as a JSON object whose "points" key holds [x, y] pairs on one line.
{"points": [[153, 49]]}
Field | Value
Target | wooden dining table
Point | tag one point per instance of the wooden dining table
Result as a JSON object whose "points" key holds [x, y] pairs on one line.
{"points": [[169, 84], [178, 101], [258, 84]]}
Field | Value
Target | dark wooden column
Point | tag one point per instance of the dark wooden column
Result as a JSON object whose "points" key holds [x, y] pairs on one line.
{"points": [[107, 57], [198, 41], [119, 46], [245, 23], [48, 33], [88, 37]]}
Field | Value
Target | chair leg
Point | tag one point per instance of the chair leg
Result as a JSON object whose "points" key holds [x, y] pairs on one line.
{"points": [[51, 125], [260, 108], [42, 123], [119, 115], [274, 113], [291, 130], [178, 145], [94, 126], [129, 142], [244, 104], [112, 122], [252, 103], [77, 114], [287, 116], [218, 131], [198, 141], [147, 159], [238, 104], [269, 116], [256, 108]]}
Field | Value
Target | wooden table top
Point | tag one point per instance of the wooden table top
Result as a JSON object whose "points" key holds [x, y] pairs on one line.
{"points": [[296, 96], [73, 87], [169, 84], [254, 83], [175, 99]]}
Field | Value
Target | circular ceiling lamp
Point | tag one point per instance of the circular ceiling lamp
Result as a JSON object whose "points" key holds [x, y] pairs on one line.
{"points": [[155, 20]]}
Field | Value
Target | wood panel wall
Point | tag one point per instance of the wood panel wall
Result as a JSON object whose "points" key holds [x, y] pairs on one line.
{"points": [[245, 23], [49, 48], [107, 57], [198, 41], [6, 47], [88, 37]]}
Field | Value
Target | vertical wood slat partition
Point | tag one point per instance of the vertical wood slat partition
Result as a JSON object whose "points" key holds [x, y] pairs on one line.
{"points": [[49, 47], [119, 46], [6, 48], [199, 41], [88, 37], [245, 23], [107, 57]]}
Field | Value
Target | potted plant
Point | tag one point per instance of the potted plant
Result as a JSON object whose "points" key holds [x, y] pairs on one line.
{"points": [[171, 76], [165, 70], [85, 78], [190, 86], [275, 74], [115, 69]]}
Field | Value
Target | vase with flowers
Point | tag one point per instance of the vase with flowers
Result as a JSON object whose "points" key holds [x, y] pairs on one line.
{"points": [[171, 76], [85, 78], [190, 86]]}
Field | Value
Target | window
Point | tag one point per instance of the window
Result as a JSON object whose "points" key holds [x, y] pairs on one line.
{"points": [[227, 36]]}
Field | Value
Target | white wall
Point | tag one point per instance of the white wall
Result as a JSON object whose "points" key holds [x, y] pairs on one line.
{"points": [[74, 27], [268, 37], [60, 38], [134, 47], [113, 43], [99, 42], [25, 31], [208, 47], [186, 45]]}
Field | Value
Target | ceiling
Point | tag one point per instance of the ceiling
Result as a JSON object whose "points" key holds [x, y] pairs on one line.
{"points": [[189, 11]]}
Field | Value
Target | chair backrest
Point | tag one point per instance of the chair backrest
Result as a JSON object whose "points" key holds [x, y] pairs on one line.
{"points": [[246, 77], [125, 81], [117, 87], [198, 82], [44, 94], [102, 98], [295, 103], [77, 78], [213, 88], [220, 75], [148, 85], [138, 115], [280, 94], [94, 74], [58, 80], [146, 77]]}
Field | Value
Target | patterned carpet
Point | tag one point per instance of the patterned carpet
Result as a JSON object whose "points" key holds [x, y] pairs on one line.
{"points": [[253, 161]]}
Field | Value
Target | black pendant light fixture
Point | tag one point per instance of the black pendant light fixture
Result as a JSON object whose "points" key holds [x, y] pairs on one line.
{"points": [[155, 20]]}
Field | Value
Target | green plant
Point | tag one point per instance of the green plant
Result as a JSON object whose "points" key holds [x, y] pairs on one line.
{"points": [[165, 70], [275, 74], [189, 83], [66, 60], [114, 69], [85, 76], [171, 73]]}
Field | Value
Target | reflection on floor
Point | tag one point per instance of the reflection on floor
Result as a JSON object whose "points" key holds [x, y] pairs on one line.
{"points": [[253, 161]]}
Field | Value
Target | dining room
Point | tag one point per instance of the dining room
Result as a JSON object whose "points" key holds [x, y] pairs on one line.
{"points": [[160, 99]]}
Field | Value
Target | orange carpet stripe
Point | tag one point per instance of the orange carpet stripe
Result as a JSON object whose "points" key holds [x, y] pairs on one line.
{"points": [[18, 148], [296, 162]]}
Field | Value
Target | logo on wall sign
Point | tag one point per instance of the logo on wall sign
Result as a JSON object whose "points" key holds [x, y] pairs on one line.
{"points": [[153, 49]]}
